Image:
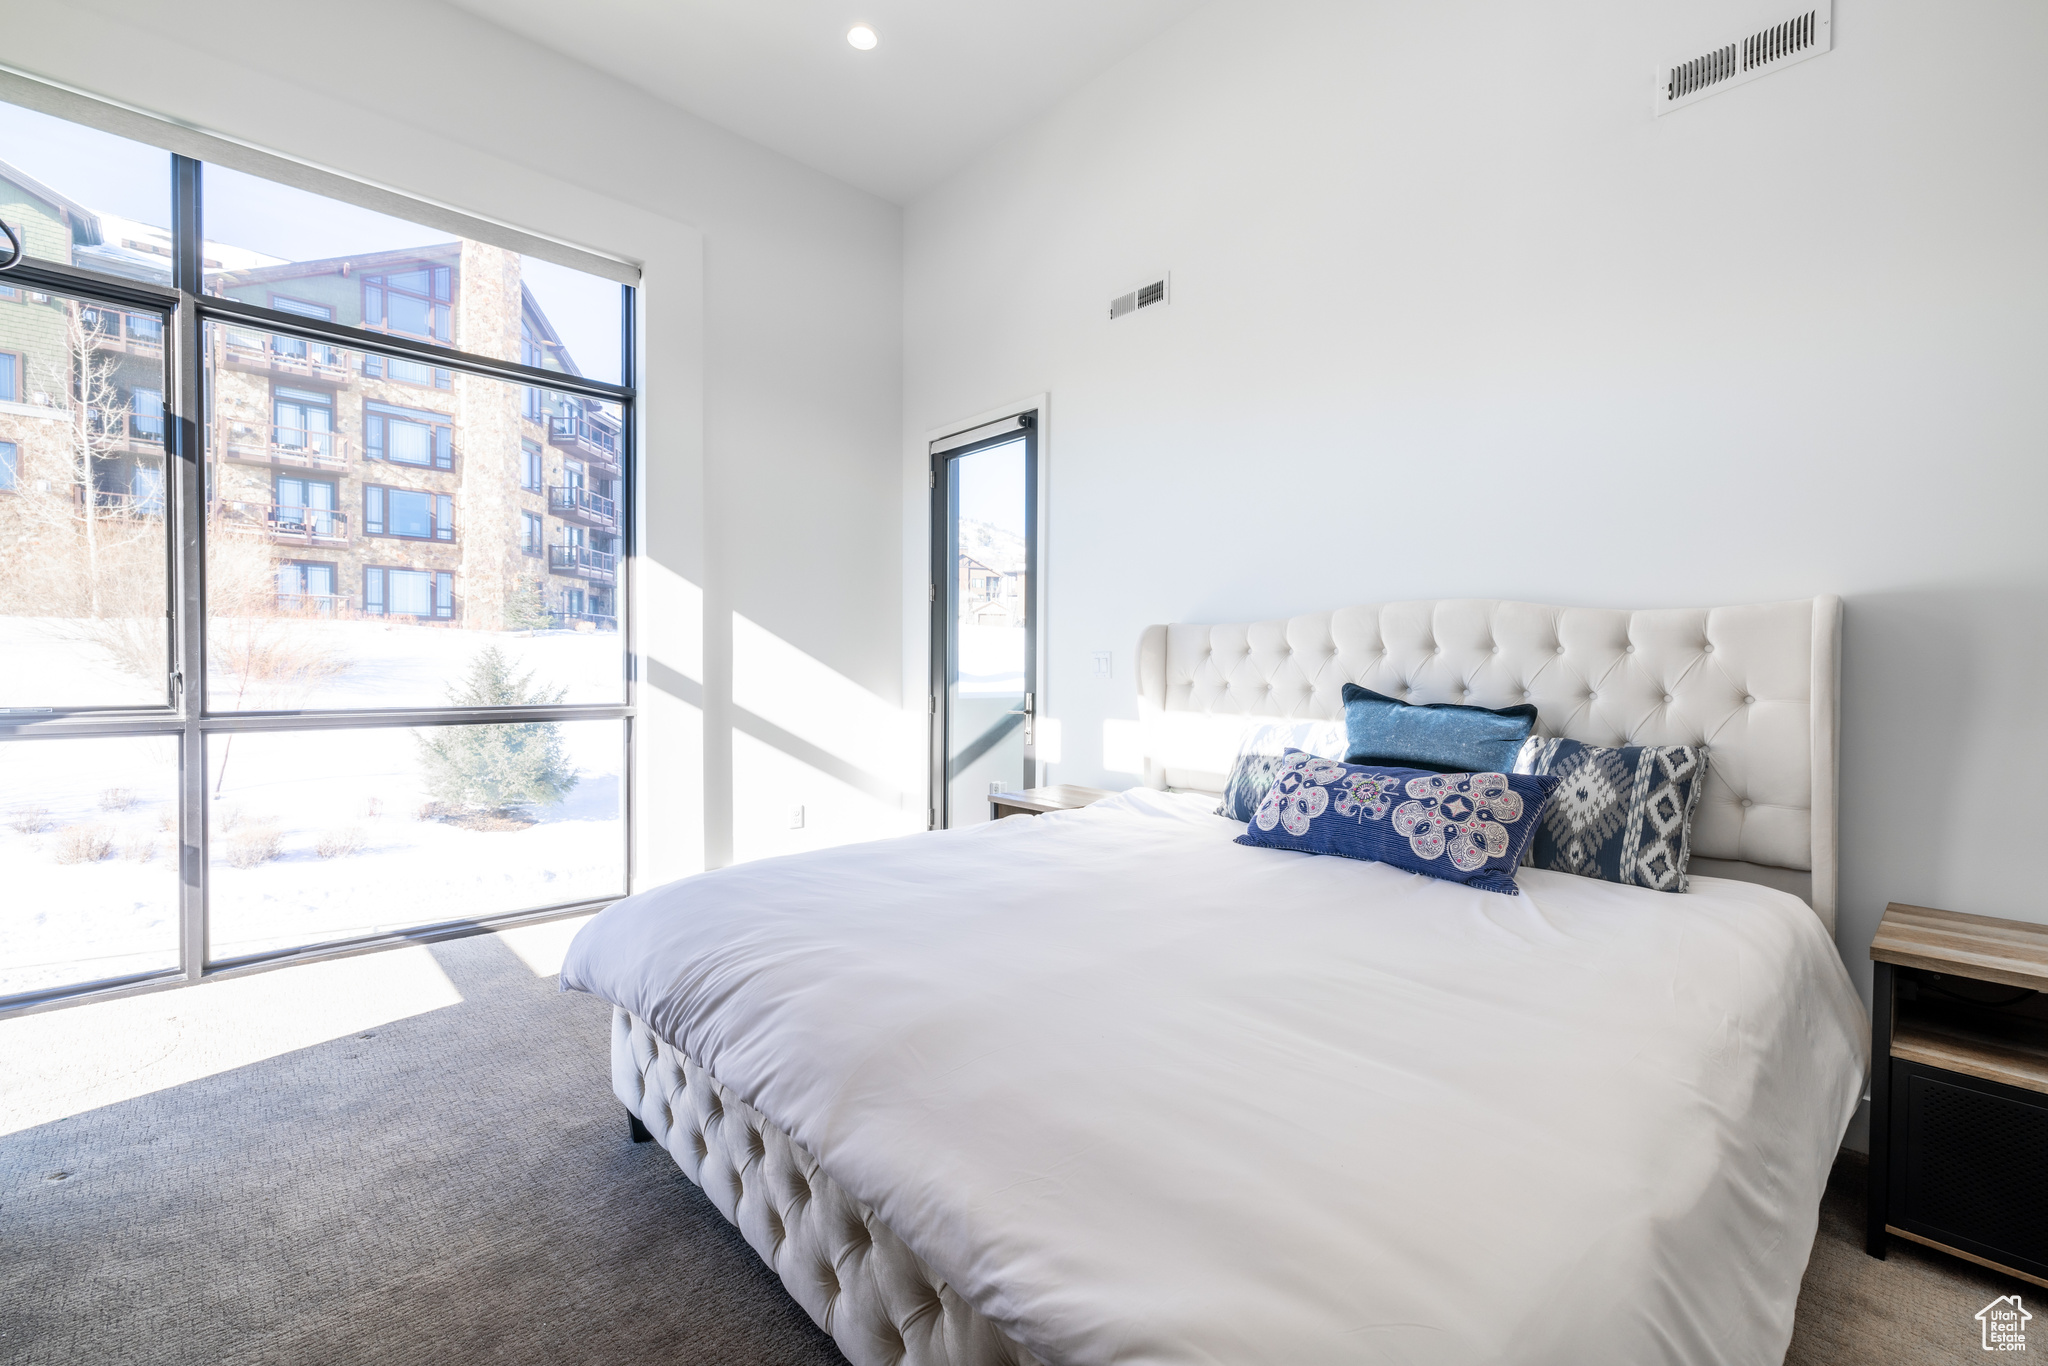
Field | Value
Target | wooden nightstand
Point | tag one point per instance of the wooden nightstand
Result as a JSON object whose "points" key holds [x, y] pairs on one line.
{"points": [[1959, 1089], [1037, 801]]}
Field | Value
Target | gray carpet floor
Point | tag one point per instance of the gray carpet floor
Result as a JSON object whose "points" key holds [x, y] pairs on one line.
{"points": [[361, 1202]]}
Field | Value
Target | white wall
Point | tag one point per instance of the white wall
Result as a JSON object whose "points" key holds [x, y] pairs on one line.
{"points": [[1454, 315], [771, 310]]}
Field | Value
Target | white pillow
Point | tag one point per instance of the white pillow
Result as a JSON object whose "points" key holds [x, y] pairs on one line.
{"points": [[1258, 756]]}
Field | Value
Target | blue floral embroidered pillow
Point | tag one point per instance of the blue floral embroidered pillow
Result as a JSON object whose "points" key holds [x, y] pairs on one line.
{"points": [[1461, 827], [1264, 748]]}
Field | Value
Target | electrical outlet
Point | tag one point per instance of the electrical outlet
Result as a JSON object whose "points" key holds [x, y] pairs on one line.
{"points": [[796, 818], [1104, 663]]}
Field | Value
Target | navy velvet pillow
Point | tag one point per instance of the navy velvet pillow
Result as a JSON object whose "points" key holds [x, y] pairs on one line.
{"points": [[1443, 737], [1461, 827]]}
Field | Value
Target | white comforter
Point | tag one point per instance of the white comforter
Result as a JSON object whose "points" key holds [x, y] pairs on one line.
{"points": [[1142, 1094]]}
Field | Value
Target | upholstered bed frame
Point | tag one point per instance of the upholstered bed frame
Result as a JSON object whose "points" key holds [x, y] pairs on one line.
{"points": [[1757, 685]]}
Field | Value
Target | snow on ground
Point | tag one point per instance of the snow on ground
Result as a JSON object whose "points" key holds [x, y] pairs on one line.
{"points": [[62, 923], [50, 661], [111, 917]]}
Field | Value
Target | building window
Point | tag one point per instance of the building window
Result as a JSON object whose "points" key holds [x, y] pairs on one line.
{"points": [[298, 348], [534, 476], [303, 507], [535, 536], [408, 436], [305, 587], [10, 377], [408, 372], [412, 514], [302, 421], [408, 593], [415, 302], [299, 308], [10, 465], [146, 489], [146, 407]]}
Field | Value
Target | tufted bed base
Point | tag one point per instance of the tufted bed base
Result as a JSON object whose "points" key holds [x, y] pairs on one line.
{"points": [[854, 1277]]}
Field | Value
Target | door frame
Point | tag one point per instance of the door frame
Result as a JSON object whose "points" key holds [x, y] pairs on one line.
{"points": [[944, 445]]}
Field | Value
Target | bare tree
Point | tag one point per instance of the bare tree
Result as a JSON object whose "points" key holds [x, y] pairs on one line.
{"points": [[87, 555]]}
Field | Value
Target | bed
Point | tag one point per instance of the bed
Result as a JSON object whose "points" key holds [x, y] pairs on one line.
{"points": [[1105, 1086]]}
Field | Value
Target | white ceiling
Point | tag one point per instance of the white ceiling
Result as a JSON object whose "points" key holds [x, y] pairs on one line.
{"points": [[948, 77]]}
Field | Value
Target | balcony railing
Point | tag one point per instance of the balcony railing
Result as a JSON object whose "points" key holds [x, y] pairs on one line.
{"points": [[569, 621], [107, 505], [284, 522], [262, 443], [138, 334], [286, 356], [573, 500], [583, 562], [315, 604], [593, 440]]}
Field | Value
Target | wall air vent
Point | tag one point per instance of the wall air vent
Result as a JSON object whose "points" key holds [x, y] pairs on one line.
{"points": [[1805, 34], [1144, 296]]}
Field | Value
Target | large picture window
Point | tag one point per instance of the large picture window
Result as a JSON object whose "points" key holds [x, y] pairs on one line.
{"points": [[310, 639]]}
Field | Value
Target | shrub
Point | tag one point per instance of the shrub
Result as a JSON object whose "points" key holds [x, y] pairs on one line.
{"points": [[84, 843], [139, 850], [373, 806], [230, 818], [29, 820], [527, 609], [340, 843], [496, 767], [255, 844], [167, 820], [116, 799]]}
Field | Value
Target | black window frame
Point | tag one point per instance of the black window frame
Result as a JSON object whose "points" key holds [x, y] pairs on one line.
{"points": [[188, 312]]}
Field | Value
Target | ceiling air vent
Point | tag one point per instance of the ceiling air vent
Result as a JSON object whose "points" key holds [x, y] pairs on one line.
{"points": [[1807, 33], [1144, 296]]}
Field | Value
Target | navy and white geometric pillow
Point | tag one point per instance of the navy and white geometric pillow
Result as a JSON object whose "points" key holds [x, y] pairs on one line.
{"points": [[1259, 756], [1460, 827], [1621, 815]]}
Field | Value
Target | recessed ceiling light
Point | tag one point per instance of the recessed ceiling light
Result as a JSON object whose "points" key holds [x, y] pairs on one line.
{"points": [[861, 36]]}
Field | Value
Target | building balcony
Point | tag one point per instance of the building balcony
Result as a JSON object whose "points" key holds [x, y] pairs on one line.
{"points": [[286, 523], [581, 562], [597, 442], [257, 443], [106, 506], [133, 334], [578, 504], [576, 621], [315, 604], [279, 355]]}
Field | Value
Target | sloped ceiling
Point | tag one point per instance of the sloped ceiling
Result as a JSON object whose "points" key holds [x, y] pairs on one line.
{"points": [[948, 77]]}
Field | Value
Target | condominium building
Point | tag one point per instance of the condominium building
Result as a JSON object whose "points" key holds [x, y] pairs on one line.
{"points": [[338, 482]]}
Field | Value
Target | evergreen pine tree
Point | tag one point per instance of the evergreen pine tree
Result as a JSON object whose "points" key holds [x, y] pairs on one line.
{"points": [[497, 767]]}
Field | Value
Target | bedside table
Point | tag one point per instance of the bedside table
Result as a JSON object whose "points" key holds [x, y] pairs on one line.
{"points": [[1959, 1088], [1037, 801]]}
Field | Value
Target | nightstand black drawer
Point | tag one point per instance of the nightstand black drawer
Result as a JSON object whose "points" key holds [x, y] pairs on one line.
{"points": [[1970, 1164]]}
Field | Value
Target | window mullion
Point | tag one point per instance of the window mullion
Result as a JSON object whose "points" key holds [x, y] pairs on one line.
{"points": [[188, 618]]}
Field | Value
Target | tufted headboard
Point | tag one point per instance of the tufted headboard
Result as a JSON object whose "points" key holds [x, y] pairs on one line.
{"points": [[1757, 685]]}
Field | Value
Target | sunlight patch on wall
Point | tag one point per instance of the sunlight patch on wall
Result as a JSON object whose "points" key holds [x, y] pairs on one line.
{"points": [[790, 690], [768, 785], [1123, 746], [66, 1062], [669, 617]]}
